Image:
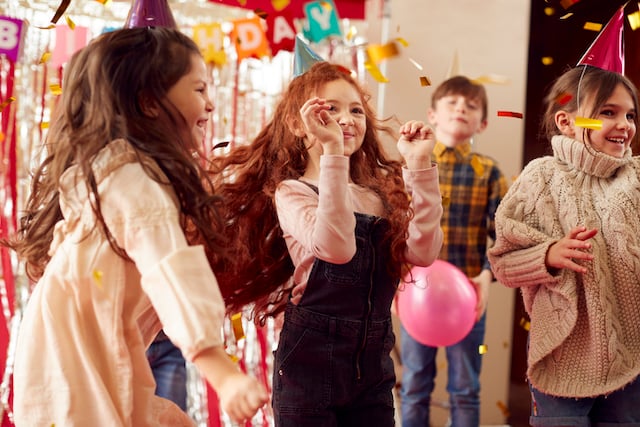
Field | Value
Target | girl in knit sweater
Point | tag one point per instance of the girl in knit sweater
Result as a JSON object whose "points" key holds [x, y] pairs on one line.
{"points": [[568, 235]]}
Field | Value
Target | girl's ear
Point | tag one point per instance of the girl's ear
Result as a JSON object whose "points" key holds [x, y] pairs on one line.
{"points": [[565, 123], [149, 106], [295, 126]]}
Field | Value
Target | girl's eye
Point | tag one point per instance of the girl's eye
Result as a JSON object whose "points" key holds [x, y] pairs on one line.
{"points": [[631, 116], [357, 110], [607, 113]]}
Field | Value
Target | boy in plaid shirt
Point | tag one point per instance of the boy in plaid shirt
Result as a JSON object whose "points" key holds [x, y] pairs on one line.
{"points": [[472, 186]]}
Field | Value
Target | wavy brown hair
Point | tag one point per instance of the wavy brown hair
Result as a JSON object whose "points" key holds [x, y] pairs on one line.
{"points": [[247, 178], [103, 86]]}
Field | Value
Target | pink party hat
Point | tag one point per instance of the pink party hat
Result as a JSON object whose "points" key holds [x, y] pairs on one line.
{"points": [[150, 13], [303, 57], [607, 50]]}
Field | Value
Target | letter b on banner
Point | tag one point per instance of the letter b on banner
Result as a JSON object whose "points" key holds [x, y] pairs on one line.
{"points": [[10, 36]]}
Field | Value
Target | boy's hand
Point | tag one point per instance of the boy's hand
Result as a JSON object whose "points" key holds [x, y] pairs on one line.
{"points": [[416, 143], [241, 396]]}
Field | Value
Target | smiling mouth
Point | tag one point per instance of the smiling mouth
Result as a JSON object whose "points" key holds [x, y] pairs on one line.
{"points": [[620, 141]]}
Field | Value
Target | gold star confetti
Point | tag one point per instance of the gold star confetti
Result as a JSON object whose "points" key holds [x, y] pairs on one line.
{"points": [[525, 324], [482, 349], [424, 81]]}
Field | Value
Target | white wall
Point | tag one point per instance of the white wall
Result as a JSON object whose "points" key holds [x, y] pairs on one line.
{"points": [[489, 37]]}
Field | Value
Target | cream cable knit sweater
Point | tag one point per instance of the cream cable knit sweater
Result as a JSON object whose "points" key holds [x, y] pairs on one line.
{"points": [[585, 329]]}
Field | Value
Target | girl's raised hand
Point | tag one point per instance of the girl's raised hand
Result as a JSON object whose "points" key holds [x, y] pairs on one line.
{"points": [[574, 246], [416, 143], [320, 127]]}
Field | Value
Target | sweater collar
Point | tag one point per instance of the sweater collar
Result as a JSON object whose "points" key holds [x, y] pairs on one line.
{"points": [[585, 159]]}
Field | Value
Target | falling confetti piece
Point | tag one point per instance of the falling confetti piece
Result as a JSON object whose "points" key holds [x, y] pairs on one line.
{"points": [[525, 324], [221, 145], [351, 33], [45, 58], [415, 64], [547, 60], [261, 13], [70, 23], [2, 136], [402, 41], [97, 278], [44, 125], [564, 98], [634, 20], [491, 79], [549, 11], [587, 123], [375, 72], [278, 5], [6, 102], [503, 408], [326, 5], [592, 26], [48, 27], [233, 358], [377, 52], [236, 322], [568, 3], [424, 81], [510, 114], [482, 349], [55, 89], [566, 16], [104, 2], [64, 4], [446, 201]]}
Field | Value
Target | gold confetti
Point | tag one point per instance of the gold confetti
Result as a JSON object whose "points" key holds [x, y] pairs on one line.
{"points": [[587, 123], [351, 33], [326, 5], [48, 27], [2, 136], [592, 26], [375, 72], [278, 5], [424, 81], [97, 278], [402, 41], [566, 16], [104, 2], [236, 323], [491, 78], [45, 58], [547, 60], [56, 89], [446, 201], [7, 102], [377, 53], [503, 408], [261, 13], [482, 349], [44, 125], [634, 20], [525, 324], [70, 23], [549, 11]]}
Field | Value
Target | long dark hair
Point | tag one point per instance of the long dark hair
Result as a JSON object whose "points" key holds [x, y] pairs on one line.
{"points": [[104, 87]]}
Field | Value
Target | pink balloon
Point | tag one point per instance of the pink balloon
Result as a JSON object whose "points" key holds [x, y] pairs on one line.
{"points": [[439, 307]]}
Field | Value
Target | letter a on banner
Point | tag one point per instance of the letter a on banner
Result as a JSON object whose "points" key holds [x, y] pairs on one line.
{"points": [[249, 38], [10, 37]]}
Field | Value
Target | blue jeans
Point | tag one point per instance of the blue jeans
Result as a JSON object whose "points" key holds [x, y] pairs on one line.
{"points": [[620, 409], [418, 379], [169, 370]]}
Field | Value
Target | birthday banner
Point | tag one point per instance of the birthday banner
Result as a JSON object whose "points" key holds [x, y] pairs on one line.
{"points": [[352, 9]]}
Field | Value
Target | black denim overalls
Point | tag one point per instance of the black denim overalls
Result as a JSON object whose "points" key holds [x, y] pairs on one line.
{"points": [[333, 365]]}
